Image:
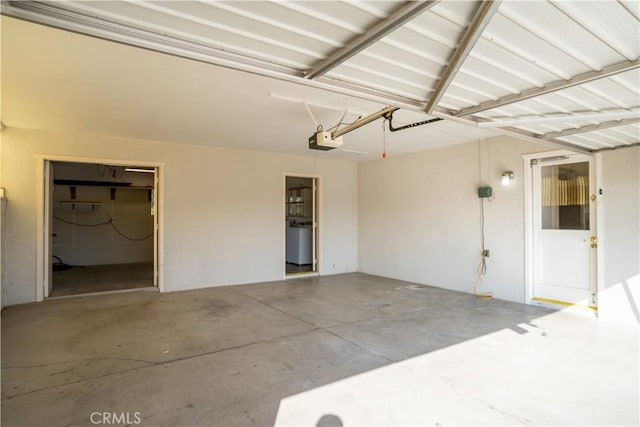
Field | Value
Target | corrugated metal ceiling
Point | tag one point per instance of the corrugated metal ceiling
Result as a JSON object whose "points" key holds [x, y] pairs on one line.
{"points": [[564, 72]]}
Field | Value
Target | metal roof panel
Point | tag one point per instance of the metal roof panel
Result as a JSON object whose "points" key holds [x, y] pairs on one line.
{"points": [[534, 58], [631, 6], [374, 64], [459, 13], [544, 20], [610, 22], [531, 47]]}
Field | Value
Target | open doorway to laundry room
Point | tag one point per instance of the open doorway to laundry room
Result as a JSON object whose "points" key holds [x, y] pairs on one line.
{"points": [[102, 222], [301, 225]]}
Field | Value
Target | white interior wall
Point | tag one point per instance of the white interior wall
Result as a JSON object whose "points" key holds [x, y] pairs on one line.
{"points": [[223, 210], [420, 216], [619, 295], [420, 221], [413, 217]]}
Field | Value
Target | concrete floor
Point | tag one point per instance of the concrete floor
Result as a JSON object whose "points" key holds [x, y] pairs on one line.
{"points": [[102, 278], [334, 350]]}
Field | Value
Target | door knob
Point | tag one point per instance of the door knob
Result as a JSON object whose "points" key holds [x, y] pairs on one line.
{"points": [[594, 241]]}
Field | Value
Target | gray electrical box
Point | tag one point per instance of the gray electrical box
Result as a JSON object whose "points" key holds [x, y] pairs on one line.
{"points": [[484, 192]]}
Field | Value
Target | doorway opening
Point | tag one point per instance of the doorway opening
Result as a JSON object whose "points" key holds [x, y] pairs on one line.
{"points": [[102, 226], [301, 225]]}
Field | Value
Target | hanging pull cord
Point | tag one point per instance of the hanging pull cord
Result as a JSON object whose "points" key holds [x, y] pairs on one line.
{"points": [[384, 141], [389, 117]]}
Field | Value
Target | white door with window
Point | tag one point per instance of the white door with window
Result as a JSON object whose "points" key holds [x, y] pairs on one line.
{"points": [[564, 231]]}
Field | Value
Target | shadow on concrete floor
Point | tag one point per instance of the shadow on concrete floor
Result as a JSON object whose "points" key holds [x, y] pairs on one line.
{"points": [[364, 349]]}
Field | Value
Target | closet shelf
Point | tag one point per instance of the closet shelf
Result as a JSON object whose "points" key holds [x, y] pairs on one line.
{"points": [[75, 202]]}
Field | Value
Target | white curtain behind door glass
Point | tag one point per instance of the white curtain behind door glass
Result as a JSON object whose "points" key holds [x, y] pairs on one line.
{"points": [[571, 192]]}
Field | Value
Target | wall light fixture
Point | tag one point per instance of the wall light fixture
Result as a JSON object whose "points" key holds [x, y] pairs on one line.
{"points": [[507, 177]]}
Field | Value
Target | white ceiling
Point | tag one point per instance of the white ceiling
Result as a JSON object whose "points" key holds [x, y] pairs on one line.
{"points": [[565, 72]]}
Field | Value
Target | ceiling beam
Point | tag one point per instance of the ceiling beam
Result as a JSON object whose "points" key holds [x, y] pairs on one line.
{"points": [[590, 128], [483, 16], [548, 141], [53, 16], [552, 87], [563, 118], [617, 147], [519, 133], [398, 18]]}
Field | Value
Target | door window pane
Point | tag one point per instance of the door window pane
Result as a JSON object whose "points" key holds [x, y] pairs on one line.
{"points": [[565, 196]]}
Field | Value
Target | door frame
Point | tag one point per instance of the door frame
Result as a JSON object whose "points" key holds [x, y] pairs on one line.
{"points": [[43, 225], [529, 238], [317, 208]]}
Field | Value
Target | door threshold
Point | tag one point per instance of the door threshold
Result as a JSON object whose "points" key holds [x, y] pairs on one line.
{"points": [[559, 305], [94, 294], [301, 274]]}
